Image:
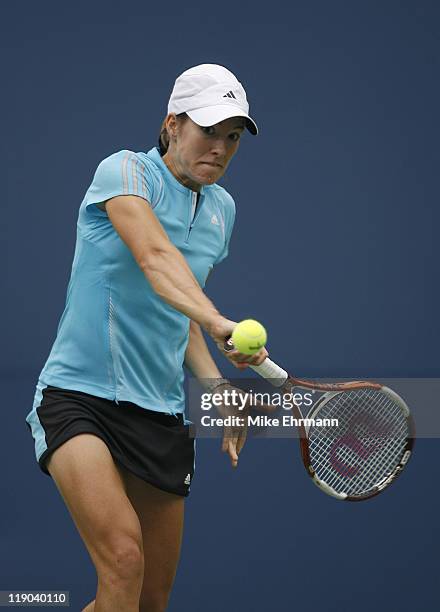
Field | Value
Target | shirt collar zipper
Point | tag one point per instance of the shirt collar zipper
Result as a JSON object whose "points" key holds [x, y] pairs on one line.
{"points": [[191, 222]]}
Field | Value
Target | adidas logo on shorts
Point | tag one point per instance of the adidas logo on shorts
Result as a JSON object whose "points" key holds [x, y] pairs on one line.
{"points": [[187, 480]]}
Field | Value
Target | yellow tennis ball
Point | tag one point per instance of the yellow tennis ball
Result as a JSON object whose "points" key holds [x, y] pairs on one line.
{"points": [[249, 336]]}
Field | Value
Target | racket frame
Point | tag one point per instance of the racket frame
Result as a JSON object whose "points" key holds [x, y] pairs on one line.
{"points": [[287, 383]]}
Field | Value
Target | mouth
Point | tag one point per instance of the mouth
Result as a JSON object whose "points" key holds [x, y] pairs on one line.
{"points": [[212, 164]]}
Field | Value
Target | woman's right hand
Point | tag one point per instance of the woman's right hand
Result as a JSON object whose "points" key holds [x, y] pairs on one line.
{"points": [[220, 330]]}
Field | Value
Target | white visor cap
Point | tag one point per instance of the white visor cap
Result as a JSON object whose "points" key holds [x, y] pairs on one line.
{"points": [[208, 94]]}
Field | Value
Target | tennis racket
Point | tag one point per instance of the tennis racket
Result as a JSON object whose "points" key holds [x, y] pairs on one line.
{"points": [[369, 448], [371, 445]]}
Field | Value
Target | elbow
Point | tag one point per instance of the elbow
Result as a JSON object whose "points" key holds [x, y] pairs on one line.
{"points": [[153, 260]]}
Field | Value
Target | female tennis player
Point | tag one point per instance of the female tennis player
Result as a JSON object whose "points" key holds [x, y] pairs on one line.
{"points": [[108, 414]]}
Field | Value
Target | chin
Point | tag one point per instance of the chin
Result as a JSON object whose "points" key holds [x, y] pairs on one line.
{"points": [[209, 179]]}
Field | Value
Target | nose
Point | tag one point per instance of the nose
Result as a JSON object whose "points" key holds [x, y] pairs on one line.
{"points": [[219, 147]]}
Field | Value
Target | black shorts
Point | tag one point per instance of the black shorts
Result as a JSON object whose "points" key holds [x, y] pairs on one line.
{"points": [[154, 446]]}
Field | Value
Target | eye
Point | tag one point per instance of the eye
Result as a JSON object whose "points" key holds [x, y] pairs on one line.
{"points": [[235, 136], [209, 130]]}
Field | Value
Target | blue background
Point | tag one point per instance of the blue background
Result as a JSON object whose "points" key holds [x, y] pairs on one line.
{"points": [[335, 250]]}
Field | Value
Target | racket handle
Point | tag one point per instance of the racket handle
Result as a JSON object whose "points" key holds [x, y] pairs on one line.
{"points": [[270, 370]]}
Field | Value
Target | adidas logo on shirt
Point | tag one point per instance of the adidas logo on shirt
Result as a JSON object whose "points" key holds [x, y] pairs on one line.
{"points": [[214, 220], [187, 480], [230, 94]]}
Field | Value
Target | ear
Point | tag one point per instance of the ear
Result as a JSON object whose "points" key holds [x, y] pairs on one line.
{"points": [[171, 125]]}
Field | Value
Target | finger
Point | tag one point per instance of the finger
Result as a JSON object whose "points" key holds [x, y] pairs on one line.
{"points": [[233, 453], [254, 360], [241, 440], [226, 439], [243, 357], [241, 366], [261, 356], [258, 358], [230, 436], [234, 356], [233, 359]]}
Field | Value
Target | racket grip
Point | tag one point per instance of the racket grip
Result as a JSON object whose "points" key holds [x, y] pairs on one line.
{"points": [[270, 370]]}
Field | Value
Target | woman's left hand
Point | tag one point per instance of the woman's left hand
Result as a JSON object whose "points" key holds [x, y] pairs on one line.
{"points": [[234, 436]]}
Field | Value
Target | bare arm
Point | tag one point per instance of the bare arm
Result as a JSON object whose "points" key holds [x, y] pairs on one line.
{"points": [[197, 357], [162, 263]]}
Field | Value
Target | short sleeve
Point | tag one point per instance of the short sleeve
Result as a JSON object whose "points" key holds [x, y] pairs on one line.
{"points": [[122, 173], [229, 219]]}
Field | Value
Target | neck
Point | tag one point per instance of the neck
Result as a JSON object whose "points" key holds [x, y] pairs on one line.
{"points": [[184, 180]]}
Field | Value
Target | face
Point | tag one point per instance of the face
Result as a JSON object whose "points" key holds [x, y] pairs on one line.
{"points": [[200, 155]]}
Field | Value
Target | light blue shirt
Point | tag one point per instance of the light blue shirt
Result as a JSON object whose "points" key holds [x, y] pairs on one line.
{"points": [[116, 338]]}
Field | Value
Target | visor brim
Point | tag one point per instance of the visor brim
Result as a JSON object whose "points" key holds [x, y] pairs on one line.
{"points": [[211, 115]]}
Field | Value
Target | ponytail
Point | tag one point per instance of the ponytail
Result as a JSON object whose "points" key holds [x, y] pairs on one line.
{"points": [[164, 139]]}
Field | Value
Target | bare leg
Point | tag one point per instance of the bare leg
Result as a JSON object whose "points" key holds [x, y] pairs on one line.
{"points": [[91, 486], [161, 517], [90, 607]]}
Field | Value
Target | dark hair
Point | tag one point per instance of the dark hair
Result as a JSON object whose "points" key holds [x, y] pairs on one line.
{"points": [[164, 139]]}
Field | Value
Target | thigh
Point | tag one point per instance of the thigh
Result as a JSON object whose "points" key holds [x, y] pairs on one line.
{"points": [[91, 485], [161, 517]]}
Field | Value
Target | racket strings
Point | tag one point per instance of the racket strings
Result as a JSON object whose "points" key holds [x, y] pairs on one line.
{"points": [[350, 457], [367, 445], [348, 463]]}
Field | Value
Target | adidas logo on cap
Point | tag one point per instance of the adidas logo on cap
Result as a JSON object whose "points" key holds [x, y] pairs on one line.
{"points": [[230, 94]]}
